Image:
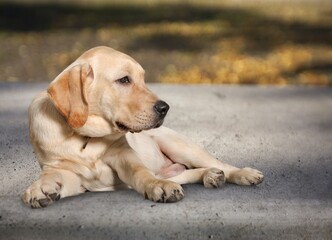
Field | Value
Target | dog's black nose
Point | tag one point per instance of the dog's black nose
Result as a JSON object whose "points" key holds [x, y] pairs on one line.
{"points": [[161, 108]]}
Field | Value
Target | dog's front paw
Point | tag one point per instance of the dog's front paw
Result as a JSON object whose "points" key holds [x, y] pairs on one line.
{"points": [[42, 193], [164, 191], [213, 178], [246, 176]]}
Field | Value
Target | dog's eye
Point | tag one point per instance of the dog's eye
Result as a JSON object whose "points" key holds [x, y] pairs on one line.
{"points": [[124, 80]]}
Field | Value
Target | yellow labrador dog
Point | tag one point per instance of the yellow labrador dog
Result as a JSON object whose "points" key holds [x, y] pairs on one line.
{"points": [[98, 128]]}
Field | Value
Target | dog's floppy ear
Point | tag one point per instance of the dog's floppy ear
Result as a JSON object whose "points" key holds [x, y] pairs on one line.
{"points": [[68, 93]]}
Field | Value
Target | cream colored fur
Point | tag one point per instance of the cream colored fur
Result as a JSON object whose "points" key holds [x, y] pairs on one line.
{"points": [[75, 133]]}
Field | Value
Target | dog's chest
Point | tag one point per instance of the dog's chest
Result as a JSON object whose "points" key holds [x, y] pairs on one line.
{"points": [[87, 161], [92, 149]]}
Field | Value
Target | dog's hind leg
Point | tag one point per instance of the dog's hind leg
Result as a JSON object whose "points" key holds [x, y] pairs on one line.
{"points": [[210, 177], [52, 185], [181, 150]]}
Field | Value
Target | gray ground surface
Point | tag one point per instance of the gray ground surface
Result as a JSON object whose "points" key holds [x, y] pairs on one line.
{"points": [[285, 132]]}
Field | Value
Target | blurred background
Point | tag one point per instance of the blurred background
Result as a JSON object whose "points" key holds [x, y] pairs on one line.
{"points": [[275, 42]]}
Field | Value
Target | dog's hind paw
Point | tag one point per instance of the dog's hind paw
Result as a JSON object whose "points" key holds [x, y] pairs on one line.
{"points": [[213, 178], [246, 176]]}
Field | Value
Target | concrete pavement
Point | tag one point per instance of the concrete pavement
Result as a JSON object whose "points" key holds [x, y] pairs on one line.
{"points": [[285, 132]]}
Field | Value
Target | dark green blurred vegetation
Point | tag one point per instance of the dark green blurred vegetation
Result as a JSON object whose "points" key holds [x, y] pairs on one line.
{"points": [[251, 42]]}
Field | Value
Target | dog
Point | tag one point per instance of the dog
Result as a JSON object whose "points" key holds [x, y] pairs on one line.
{"points": [[99, 128]]}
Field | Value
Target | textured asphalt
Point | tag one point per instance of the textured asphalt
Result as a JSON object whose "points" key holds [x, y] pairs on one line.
{"points": [[284, 132]]}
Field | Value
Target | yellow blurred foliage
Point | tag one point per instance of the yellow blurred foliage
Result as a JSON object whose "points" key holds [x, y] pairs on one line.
{"points": [[275, 68], [192, 41]]}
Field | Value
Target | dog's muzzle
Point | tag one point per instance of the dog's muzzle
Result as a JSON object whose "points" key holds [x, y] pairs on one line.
{"points": [[160, 108]]}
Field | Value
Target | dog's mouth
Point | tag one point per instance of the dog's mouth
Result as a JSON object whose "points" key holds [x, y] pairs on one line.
{"points": [[123, 127], [159, 123]]}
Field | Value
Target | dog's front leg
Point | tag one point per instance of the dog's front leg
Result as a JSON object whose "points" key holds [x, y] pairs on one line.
{"points": [[52, 185], [131, 171]]}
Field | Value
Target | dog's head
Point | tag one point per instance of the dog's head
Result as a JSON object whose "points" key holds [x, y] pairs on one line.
{"points": [[106, 85]]}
